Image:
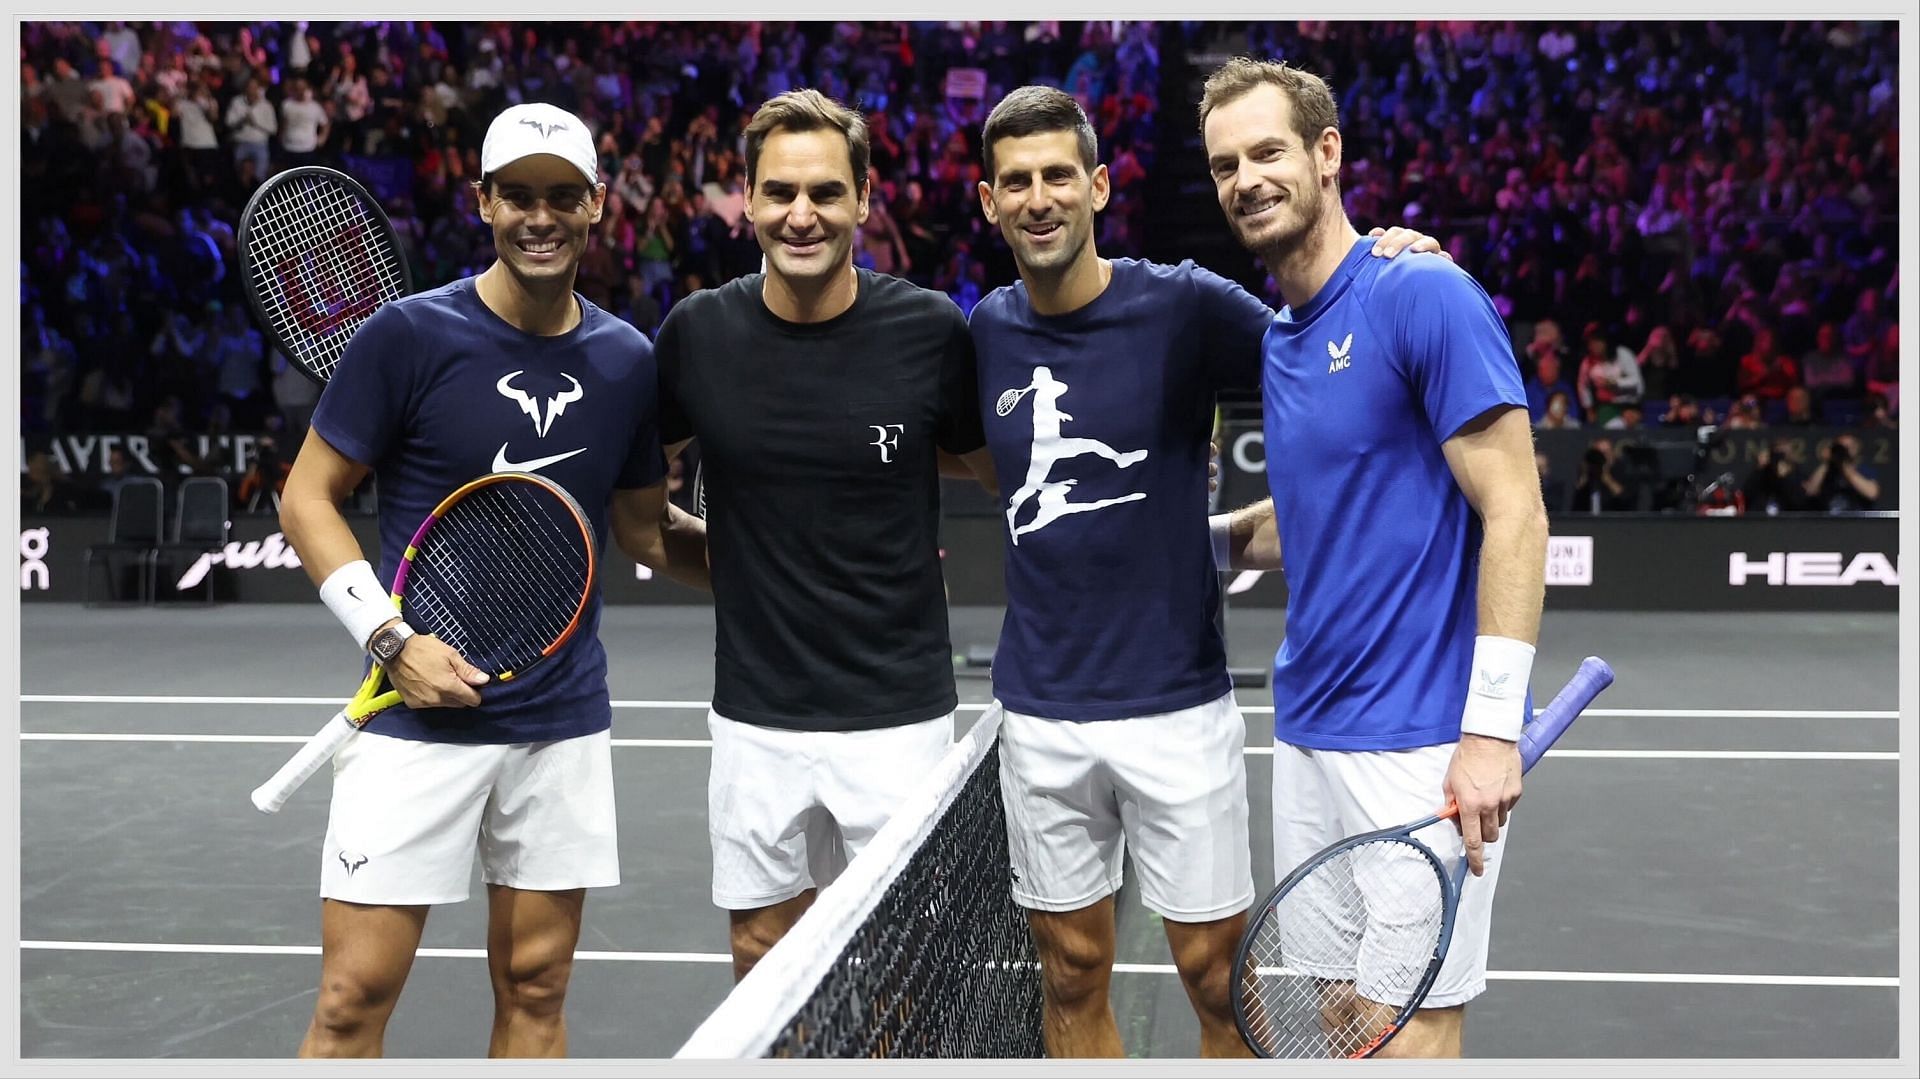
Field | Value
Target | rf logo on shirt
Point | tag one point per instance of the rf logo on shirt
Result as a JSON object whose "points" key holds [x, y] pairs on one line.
{"points": [[887, 437]]}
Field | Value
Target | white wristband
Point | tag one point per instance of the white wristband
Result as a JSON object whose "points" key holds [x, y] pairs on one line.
{"points": [[355, 597], [1497, 688], [1220, 526]]}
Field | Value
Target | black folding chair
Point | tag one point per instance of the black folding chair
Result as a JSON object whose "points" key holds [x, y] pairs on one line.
{"points": [[200, 527], [133, 532]]}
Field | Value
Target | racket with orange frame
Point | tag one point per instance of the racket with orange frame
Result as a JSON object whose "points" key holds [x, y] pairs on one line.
{"points": [[501, 571]]}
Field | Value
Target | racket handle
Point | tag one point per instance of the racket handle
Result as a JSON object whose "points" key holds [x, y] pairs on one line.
{"points": [[271, 795], [1538, 736]]}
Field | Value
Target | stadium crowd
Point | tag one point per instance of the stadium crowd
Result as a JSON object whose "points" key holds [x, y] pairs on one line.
{"points": [[1684, 223]]}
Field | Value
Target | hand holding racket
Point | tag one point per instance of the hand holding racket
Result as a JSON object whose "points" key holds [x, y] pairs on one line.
{"points": [[1342, 952], [318, 257], [501, 571]]}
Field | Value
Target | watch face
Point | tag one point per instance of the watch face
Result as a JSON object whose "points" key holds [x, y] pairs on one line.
{"points": [[386, 645]]}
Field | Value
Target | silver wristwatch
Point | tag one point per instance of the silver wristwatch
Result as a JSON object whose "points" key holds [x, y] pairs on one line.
{"points": [[386, 643]]}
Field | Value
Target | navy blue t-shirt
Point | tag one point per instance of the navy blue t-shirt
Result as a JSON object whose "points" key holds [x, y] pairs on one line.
{"points": [[436, 390], [1362, 385], [1102, 462]]}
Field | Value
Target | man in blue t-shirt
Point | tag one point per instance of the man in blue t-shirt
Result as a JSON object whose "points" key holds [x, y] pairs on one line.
{"points": [[1097, 380], [1404, 487], [507, 371]]}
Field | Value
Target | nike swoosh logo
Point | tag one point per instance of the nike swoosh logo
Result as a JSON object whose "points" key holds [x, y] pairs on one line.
{"points": [[357, 597], [502, 464]]}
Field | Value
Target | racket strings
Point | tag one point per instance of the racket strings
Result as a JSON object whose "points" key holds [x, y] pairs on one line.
{"points": [[500, 575], [324, 264], [1344, 951]]}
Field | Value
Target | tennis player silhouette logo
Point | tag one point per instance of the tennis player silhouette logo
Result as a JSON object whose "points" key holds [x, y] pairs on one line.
{"points": [[1049, 448]]}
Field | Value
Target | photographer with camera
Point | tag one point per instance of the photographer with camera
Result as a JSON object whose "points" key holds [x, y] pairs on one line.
{"points": [[1840, 484], [1774, 486], [265, 478], [1600, 488]]}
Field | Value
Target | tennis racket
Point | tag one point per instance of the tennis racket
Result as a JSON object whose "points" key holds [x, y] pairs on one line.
{"points": [[1009, 399], [1343, 951], [501, 571], [318, 257]]}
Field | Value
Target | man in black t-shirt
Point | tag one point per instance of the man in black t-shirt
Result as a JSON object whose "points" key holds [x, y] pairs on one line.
{"points": [[824, 399]]}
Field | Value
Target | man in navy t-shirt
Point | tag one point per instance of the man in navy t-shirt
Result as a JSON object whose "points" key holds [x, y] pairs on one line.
{"points": [[506, 371], [1401, 466], [1097, 380]]}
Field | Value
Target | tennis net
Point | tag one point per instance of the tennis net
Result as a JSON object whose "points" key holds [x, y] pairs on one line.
{"points": [[917, 950]]}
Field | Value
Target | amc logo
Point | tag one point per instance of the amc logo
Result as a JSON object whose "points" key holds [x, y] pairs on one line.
{"points": [[1802, 568]]}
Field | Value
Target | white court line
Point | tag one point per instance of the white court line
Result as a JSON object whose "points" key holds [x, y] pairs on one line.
{"points": [[1251, 751], [1618, 976], [1249, 709]]}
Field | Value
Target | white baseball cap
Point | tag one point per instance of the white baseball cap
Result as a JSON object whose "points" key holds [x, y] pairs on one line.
{"points": [[538, 128]]}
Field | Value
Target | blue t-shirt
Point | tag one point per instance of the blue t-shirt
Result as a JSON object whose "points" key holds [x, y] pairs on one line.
{"points": [[1102, 463], [436, 390], [1380, 547]]}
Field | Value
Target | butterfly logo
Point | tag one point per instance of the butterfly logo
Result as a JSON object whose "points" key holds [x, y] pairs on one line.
{"points": [[1341, 358]]}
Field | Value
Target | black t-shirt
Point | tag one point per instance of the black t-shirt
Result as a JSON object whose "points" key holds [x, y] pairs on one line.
{"points": [[823, 499]]}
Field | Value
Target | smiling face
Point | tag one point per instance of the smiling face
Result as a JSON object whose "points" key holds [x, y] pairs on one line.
{"points": [[805, 206], [542, 210], [1043, 200], [1274, 187]]}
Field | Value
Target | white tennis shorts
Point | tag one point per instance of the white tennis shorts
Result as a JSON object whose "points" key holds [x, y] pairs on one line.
{"points": [[408, 816], [1171, 786], [1323, 796], [786, 810]]}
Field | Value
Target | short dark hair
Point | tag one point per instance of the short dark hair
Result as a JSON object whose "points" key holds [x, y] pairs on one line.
{"points": [[809, 110], [1036, 110], [1314, 109]]}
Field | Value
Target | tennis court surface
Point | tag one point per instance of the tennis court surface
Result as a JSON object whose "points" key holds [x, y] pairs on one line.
{"points": [[1704, 867]]}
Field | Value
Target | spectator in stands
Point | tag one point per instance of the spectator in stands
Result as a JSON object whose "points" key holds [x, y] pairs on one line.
{"points": [[251, 123], [1683, 411], [1559, 414], [1546, 381], [1628, 418], [1842, 483], [1883, 369], [1799, 408], [1659, 362], [195, 114], [1827, 370], [1766, 372], [44, 490], [1745, 415], [1876, 412], [1608, 378], [303, 125]]}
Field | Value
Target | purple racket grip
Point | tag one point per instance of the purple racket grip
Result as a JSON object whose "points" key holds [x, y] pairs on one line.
{"points": [[1538, 736]]}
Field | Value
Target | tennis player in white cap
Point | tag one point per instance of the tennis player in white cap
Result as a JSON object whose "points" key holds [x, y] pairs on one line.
{"points": [[509, 370]]}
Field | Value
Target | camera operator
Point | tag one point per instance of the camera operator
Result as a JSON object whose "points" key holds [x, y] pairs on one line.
{"points": [[1600, 488], [1840, 484], [1774, 486], [265, 477]]}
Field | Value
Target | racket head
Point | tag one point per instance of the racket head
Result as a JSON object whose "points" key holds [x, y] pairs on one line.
{"points": [[502, 571], [1344, 950], [1007, 401], [318, 257]]}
